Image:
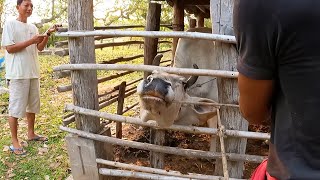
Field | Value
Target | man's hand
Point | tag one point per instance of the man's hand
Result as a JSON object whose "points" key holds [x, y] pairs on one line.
{"points": [[52, 29], [37, 39]]}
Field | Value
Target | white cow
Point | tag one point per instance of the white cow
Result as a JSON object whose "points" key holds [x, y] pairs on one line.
{"points": [[161, 92]]}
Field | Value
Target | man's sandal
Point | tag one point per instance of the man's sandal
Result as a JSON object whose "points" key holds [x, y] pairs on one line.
{"points": [[17, 151], [39, 138]]}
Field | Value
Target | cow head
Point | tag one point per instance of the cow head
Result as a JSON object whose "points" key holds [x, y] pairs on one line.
{"points": [[160, 95]]}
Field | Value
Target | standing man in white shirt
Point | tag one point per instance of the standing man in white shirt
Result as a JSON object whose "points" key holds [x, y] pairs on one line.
{"points": [[22, 42]]}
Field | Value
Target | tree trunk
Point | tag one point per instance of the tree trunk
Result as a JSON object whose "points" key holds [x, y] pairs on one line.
{"points": [[84, 82], [221, 16]]}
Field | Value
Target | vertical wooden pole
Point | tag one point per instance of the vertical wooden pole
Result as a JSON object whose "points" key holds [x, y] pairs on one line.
{"points": [[178, 22], [150, 51], [153, 24], [122, 91], [84, 83], [200, 20], [192, 23], [157, 159], [221, 16]]}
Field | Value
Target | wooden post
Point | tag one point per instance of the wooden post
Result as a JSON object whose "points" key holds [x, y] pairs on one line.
{"points": [[192, 23], [84, 83], [122, 91], [221, 16], [150, 51], [153, 24], [200, 20], [157, 137], [178, 22]]}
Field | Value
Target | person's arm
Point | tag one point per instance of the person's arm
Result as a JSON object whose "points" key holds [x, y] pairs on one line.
{"points": [[22, 45], [254, 31], [255, 98], [43, 43]]}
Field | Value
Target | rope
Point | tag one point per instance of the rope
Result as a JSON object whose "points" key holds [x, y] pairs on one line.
{"points": [[200, 85], [223, 150]]}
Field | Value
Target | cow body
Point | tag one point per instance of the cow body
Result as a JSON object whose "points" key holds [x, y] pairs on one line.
{"points": [[202, 53]]}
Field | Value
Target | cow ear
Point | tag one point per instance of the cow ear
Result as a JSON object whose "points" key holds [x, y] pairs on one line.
{"points": [[203, 112]]}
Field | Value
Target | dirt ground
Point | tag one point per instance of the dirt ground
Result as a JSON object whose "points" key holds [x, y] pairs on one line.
{"points": [[183, 140]]}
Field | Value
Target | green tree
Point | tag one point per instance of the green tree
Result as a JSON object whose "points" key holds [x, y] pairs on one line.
{"points": [[133, 12]]}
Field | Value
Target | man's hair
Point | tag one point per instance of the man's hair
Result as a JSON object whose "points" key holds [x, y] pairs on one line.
{"points": [[19, 2]]}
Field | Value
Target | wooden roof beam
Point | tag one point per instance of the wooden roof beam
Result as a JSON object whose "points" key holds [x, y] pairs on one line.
{"points": [[196, 2], [190, 2]]}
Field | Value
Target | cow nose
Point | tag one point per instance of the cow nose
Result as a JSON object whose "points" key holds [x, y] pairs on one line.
{"points": [[157, 85]]}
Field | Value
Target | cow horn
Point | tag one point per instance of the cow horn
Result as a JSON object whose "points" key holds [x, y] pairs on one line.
{"points": [[157, 59], [192, 79]]}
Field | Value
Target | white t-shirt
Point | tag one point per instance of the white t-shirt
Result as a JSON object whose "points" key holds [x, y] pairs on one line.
{"points": [[23, 64]]}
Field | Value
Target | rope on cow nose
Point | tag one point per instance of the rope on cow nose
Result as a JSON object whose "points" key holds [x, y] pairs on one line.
{"points": [[207, 104]]}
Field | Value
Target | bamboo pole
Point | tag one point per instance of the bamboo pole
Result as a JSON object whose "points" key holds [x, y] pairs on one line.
{"points": [[159, 171], [153, 34], [67, 73], [70, 118], [65, 43], [140, 175], [164, 149], [169, 26], [188, 129], [180, 71]]}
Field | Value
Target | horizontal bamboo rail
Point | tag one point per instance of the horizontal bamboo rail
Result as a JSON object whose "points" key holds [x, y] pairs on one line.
{"points": [[65, 43], [169, 26], [71, 118], [65, 52], [188, 129], [148, 68], [151, 34], [157, 171], [164, 149], [67, 73], [140, 175]]}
